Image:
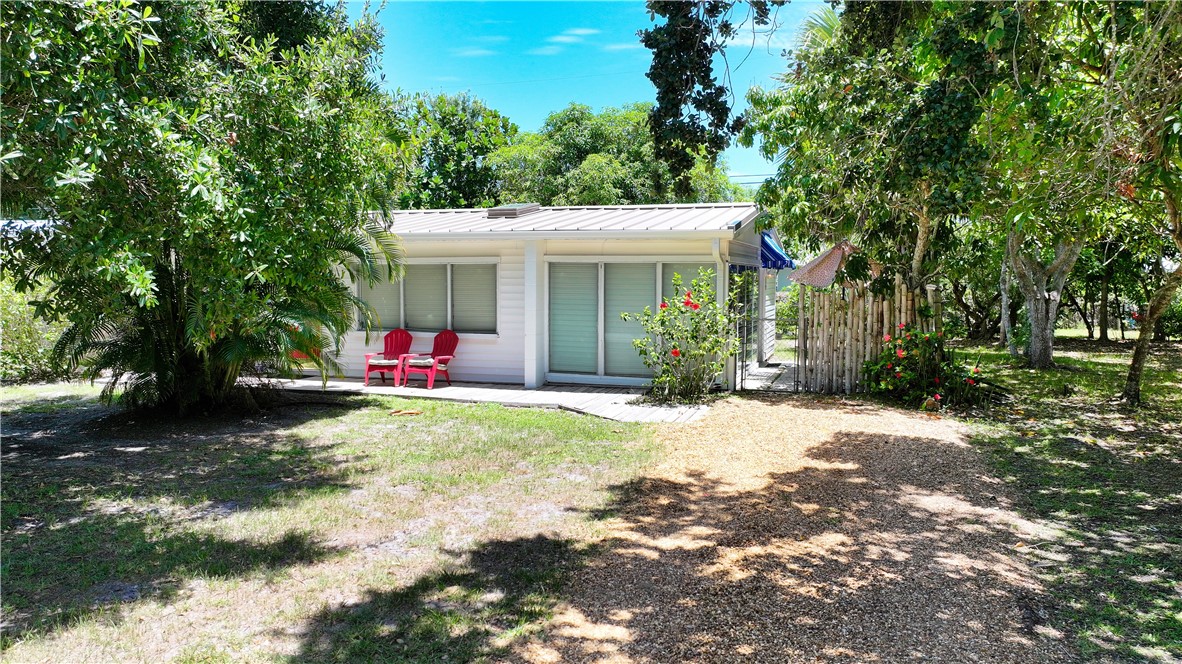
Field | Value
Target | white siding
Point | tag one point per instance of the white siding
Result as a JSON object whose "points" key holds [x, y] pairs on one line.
{"points": [[489, 358], [656, 249], [744, 248]]}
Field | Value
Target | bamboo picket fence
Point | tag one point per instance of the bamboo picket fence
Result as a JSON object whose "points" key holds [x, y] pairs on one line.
{"points": [[841, 328]]}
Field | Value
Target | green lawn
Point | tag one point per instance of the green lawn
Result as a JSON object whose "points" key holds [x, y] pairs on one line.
{"points": [[1110, 478], [329, 530]]}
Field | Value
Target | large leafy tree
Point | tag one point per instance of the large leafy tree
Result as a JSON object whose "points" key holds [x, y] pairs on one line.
{"points": [[692, 117], [580, 157], [452, 138], [1131, 53], [874, 131], [200, 192]]}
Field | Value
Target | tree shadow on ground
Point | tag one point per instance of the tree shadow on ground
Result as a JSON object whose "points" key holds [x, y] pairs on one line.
{"points": [[1120, 509], [105, 507], [470, 610], [839, 559], [1111, 477]]}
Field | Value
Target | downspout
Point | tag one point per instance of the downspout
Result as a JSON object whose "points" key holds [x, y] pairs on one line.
{"points": [[728, 374]]}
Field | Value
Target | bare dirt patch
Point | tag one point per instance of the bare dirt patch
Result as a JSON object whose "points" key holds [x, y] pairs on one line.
{"points": [[786, 529]]}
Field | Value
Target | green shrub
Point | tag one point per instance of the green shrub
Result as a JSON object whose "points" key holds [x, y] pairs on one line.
{"points": [[688, 339], [27, 341], [787, 310], [916, 369]]}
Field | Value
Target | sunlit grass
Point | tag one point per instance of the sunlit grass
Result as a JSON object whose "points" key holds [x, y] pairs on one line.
{"points": [[42, 398]]}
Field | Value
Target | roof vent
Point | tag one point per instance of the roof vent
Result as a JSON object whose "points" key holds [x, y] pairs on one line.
{"points": [[513, 210]]}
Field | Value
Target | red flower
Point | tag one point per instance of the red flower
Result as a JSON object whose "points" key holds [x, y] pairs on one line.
{"points": [[889, 365], [689, 294], [695, 306], [908, 336], [972, 382], [976, 370], [900, 352], [886, 337], [937, 380], [902, 325], [675, 353], [940, 333], [687, 302], [936, 397], [664, 305], [898, 374]]}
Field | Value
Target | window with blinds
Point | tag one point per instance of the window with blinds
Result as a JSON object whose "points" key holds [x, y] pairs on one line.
{"points": [[627, 288], [688, 272], [574, 318], [474, 298], [386, 299], [425, 290]]}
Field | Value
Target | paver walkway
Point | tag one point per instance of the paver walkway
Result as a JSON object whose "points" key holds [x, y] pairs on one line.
{"points": [[612, 403]]}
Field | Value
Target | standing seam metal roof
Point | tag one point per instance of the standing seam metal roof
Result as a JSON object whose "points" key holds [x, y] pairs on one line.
{"points": [[712, 217]]}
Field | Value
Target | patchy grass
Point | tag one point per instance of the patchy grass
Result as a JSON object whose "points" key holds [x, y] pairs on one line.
{"points": [[323, 528], [47, 398], [1110, 478]]}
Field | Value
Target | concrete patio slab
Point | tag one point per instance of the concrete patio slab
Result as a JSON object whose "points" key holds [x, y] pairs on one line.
{"points": [[611, 403]]}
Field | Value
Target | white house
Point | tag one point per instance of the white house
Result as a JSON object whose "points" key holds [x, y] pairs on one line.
{"points": [[535, 293]]}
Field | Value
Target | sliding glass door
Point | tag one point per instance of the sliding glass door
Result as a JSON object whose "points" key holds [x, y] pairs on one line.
{"points": [[586, 334], [574, 318], [627, 288]]}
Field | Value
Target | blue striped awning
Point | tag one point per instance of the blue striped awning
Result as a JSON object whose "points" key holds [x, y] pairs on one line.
{"points": [[772, 254]]}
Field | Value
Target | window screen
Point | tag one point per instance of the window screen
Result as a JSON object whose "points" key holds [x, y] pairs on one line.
{"points": [[574, 318], [627, 287], [425, 287], [474, 298]]}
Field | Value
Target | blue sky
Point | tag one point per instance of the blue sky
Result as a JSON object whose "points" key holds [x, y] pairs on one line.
{"points": [[528, 59]]}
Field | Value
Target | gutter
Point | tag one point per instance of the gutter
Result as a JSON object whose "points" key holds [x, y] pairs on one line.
{"points": [[722, 234]]}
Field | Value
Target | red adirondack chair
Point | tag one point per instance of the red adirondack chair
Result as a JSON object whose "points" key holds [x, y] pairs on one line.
{"points": [[442, 352], [389, 360]]}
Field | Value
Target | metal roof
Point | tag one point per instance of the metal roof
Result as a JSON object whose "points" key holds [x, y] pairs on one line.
{"points": [[710, 219]]}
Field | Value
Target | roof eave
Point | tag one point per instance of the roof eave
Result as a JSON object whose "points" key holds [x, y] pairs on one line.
{"points": [[709, 234]]}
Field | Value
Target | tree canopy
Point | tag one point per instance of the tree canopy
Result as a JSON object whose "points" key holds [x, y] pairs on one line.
{"points": [[580, 157], [451, 140], [191, 181]]}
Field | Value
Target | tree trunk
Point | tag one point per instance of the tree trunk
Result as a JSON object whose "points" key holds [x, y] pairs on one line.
{"points": [[1007, 319], [1157, 305], [1042, 303], [1042, 311], [1083, 313], [1104, 304], [923, 240], [1161, 300]]}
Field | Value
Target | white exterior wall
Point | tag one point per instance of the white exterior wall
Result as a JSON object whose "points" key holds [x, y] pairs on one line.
{"points": [[492, 358]]}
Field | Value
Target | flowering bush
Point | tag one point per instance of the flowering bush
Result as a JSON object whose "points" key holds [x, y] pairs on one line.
{"points": [[687, 342], [916, 369]]}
